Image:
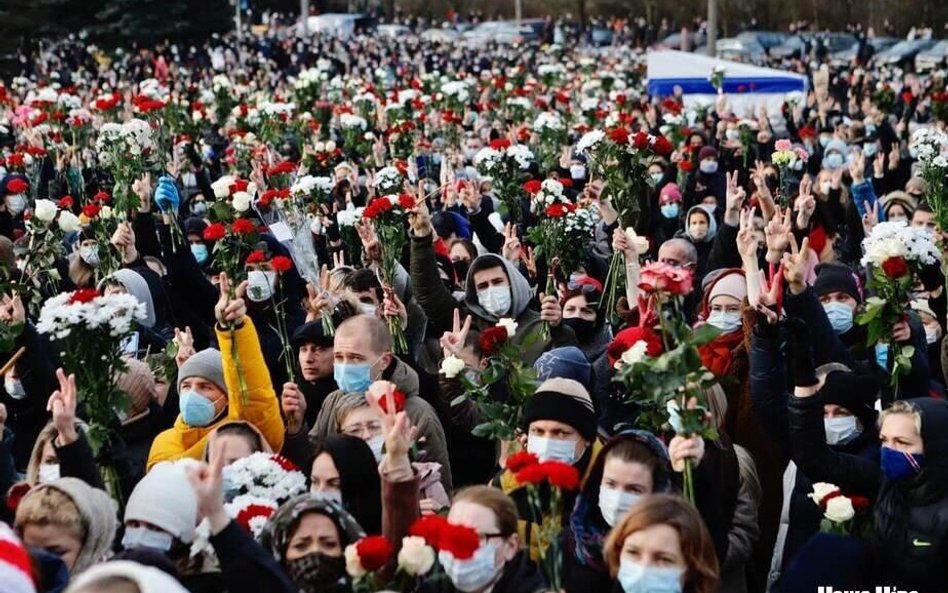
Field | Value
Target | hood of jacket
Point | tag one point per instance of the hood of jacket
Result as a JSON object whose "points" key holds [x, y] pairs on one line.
{"points": [[712, 224], [520, 292], [932, 482]]}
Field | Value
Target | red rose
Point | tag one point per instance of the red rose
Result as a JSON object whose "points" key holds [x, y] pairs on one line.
{"points": [[907, 97], [252, 511], [17, 186], [406, 201], [500, 144], [686, 166], [238, 185], [672, 106], [267, 197], [619, 135], [461, 541], [377, 207], [101, 196], [36, 151], [242, 226], [215, 232], [281, 169], [556, 210], [374, 552], [65, 202], [492, 339], [91, 210], [661, 146], [532, 186], [84, 295], [895, 267], [281, 264], [628, 337], [640, 141], [561, 475], [520, 460], [256, 257], [861, 504], [658, 277], [402, 167]]}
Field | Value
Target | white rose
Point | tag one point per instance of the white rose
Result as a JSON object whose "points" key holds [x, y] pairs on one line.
{"points": [[68, 222], [820, 490], [241, 201], [330, 146], [221, 187], [839, 509], [45, 210], [452, 366], [636, 353], [105, 213], [509, 324], [416, 558], [353, 562]]}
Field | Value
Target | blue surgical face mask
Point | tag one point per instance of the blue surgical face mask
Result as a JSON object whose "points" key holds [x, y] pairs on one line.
{"points": [[833, 160], [726, 321], [898, 466], [870, 149], [196, 410], [882, 356], [656, 177], [671, 210], [547, 449], [353, 377], [824, 140], [140, 537], [639, 578], [840, 317], [199, 208], [841, 430], [228, 485], [199, 250], [708, 166]]}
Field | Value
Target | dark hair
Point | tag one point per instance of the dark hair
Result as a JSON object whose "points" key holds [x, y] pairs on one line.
{"points": [[362, 280], [629, 450], [467, 245], [243, 430], [358, 479]]}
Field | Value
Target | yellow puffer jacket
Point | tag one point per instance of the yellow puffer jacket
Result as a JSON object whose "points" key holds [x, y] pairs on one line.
{"points": [[262, 409], [526, 526]]}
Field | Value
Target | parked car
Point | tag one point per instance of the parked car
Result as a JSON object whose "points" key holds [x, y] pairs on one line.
{"points": [[737, 49], [766, 39], [932, 58], [800, 45], [902, 54], [504, 32], [673, 41], [393, 31], [846, 56]]}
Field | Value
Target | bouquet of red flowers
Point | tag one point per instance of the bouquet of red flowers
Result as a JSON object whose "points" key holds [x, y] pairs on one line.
{"points": [[387, 215]]}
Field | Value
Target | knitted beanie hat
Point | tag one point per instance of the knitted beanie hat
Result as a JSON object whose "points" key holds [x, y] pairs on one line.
{"points": [[562, 400], [206, 364]]}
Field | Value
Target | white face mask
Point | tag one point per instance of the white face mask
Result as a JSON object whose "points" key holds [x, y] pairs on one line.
{"points": [[474, 573], [495, 300], [14, 388], [48, 472], [726, 321], [615, 503], [552, 449], [16, 203], [732, 134], [140, 537], [840, 430], [90, 255], [577, 172], [260, 285], [376, 443], [931, 336], [825, 187], [368, 309]]}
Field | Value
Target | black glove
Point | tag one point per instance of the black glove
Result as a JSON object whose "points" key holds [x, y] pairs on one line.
{"points": [[799, 354]]}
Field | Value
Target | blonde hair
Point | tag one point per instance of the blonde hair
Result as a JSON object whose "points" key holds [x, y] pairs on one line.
{"points": [[346, 404], [503, 507], [905, 408], [50, 506]]}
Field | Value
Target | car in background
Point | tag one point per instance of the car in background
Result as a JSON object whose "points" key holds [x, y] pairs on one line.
{"points": [[393, 31], [845, 57], [902, 54], [503, 32], [932, 58], [797, 45], [766, 39], [342, 25], [746, 50], [673, 41]]}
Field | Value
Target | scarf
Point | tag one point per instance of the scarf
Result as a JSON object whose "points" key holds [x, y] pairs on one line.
{"points": [[717, 355]]}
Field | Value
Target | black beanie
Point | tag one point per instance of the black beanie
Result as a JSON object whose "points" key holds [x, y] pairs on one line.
{"points": [[854, 391], [562, 400], [836, 277]]}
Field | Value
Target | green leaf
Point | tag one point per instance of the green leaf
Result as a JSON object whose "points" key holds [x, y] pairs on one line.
{"points": [[459, 400], [704, 334]]}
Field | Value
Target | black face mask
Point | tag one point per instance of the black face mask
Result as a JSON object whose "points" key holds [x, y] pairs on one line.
{"points": [[317, 572], [460, 269], [583, 328]]}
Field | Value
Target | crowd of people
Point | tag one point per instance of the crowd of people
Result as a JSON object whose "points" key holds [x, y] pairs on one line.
{"points": [[329, 407]]}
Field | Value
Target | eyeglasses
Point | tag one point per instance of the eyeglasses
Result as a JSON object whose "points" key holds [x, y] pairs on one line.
{"points": [[357, 430], [582, 287]]}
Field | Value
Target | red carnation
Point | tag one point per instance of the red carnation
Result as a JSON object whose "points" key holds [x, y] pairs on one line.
{"points": [[101, 196], [566, 182], [374, 552], [281, 264], [461, 541], [640, 141], [661, 146], [532, 474], [84, 295], [238, 185], [215, 232], [907, 97], [65, 202], [406, 201], [36, 151], [492, 339], [895, 267], [284, 463], [532, 186], [520, 460], [500, 144], [242, 226], [399, 399], [671, 106], [377, 207], [686, 166], [251, 511], [619, 135], [256, 257], [282, 168], [17, 186], [561, 475], [430, 529], [267, 197], [91, 210], [556, 210]]}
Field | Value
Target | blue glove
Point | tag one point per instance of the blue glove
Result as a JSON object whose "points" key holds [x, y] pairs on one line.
{"points": [[166, 195]]}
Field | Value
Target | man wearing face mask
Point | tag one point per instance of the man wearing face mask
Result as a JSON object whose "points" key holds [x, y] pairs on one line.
{"points": [[362, 354], [494, 289], [211, 392], [560, 424]]}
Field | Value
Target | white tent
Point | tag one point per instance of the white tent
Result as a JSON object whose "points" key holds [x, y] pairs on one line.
{"points": [[747, 87]]}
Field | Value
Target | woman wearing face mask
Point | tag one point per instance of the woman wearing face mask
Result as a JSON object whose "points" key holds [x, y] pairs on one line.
{"points": [[84, 260], [498, 565], [722, 309], [700, 228], [667, 221], [898, 205], [345, 471], [632, 465], [908, 482], [662, 545], [581, 313], [69, 518]]}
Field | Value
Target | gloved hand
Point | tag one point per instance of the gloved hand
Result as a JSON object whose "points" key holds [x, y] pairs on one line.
{"points": [[166, 195]]}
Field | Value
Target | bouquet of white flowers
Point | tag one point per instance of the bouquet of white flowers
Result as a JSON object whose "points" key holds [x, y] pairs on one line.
{"points": [[930, 146], [506, 163], [127, 150]]}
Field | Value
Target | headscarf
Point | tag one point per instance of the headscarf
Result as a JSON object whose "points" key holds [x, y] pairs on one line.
{"points": [[136, 286], [281, 526]]}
